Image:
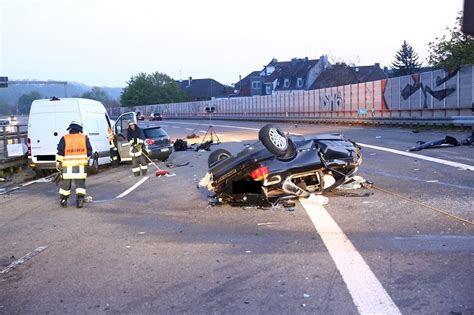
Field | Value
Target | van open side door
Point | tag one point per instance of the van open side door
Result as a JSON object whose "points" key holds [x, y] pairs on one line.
{"points": [[120, 130]]}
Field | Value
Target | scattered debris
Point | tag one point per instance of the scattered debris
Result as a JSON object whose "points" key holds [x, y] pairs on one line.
{"points": [[306, 295], [248, 251], [180, 145], [88, 199], [204, 146], [141, 233], [159, 171], [172, 165], [319, 199], [447, 141], [192, 135], [378, 137], [356, 182]]}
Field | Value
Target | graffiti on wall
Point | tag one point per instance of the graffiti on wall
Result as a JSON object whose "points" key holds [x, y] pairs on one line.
{"points": [[439, 94], [382, 98], [331, 101]]}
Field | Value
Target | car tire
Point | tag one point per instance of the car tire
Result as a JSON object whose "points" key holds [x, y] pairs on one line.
{"points": [[274, 139], [217, 155]]}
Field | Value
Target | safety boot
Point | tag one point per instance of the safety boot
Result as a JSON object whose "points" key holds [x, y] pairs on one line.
{"points": [[79, 201], [63, 202]]}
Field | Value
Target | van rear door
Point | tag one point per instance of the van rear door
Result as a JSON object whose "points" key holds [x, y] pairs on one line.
{"points": [[47, 127], [46, 130]]}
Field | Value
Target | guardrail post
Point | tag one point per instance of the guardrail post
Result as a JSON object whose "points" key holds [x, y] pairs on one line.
{"points": [[5, 142], [18, 135]]}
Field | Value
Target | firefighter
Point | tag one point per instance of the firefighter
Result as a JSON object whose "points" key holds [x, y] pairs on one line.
{"points": [[112, 147], [74, 150], [136, 139]]}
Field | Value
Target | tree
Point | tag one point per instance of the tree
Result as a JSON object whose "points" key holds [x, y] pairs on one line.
{"points": [[96, 93], [450, 52], [406, 61], [24, 102], [5, 109], [155, 88]]}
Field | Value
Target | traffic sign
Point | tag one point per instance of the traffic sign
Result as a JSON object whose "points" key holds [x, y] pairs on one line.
{"points": [[3, 82]]}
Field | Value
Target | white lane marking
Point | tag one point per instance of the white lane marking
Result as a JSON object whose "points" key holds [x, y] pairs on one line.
{"points": [[22, 260], [176, 127], [368, 294], [46, 179], [203, 131], [420, 157], [219, 135], [164, 125], [214, 125], [236, 140], [126, 192], [189, 129]]}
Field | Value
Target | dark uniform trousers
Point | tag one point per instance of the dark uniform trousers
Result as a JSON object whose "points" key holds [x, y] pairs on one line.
{"points": [[76, 174], [139, 162]]}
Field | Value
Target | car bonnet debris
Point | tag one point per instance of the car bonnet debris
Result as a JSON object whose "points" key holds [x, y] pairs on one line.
{"points": [[447, 141]]}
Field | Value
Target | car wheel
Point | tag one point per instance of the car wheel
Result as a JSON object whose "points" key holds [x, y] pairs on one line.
{"points": [[274, 139], [216, 156]]}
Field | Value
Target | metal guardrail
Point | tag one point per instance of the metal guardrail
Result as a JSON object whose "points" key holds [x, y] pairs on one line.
{"points": [[11, 134], [454, 121]]}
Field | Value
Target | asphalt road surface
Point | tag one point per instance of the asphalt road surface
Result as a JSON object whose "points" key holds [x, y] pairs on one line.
{"points": [[408, 248]]}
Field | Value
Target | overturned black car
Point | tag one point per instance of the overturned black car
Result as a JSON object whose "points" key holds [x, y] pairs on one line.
{"points": [[281, 167]]}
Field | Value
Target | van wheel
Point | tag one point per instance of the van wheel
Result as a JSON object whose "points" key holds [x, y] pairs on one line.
{"points": [[274, 139], [41, 173], [94, 167]]}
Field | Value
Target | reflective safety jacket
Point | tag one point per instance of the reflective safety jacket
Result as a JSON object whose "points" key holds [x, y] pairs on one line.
{"points": [[74, 150], [110, 136], [136, 138]]}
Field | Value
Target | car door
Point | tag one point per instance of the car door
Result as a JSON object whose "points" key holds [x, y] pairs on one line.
{"points": [[120, 129]]}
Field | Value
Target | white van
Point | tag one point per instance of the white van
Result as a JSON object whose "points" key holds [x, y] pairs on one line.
{"points": [[48, 121]]}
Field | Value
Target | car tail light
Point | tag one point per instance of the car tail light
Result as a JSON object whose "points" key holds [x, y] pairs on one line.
{"points": [[149, 141], [260, 173], [28, 141]]}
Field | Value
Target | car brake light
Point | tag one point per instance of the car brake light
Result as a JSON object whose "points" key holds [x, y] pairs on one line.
{"points": [[29, 146], [260, 173], [149, 141]]}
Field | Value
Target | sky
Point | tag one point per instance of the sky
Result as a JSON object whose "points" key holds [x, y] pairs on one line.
{"points": [[105, 42]]}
